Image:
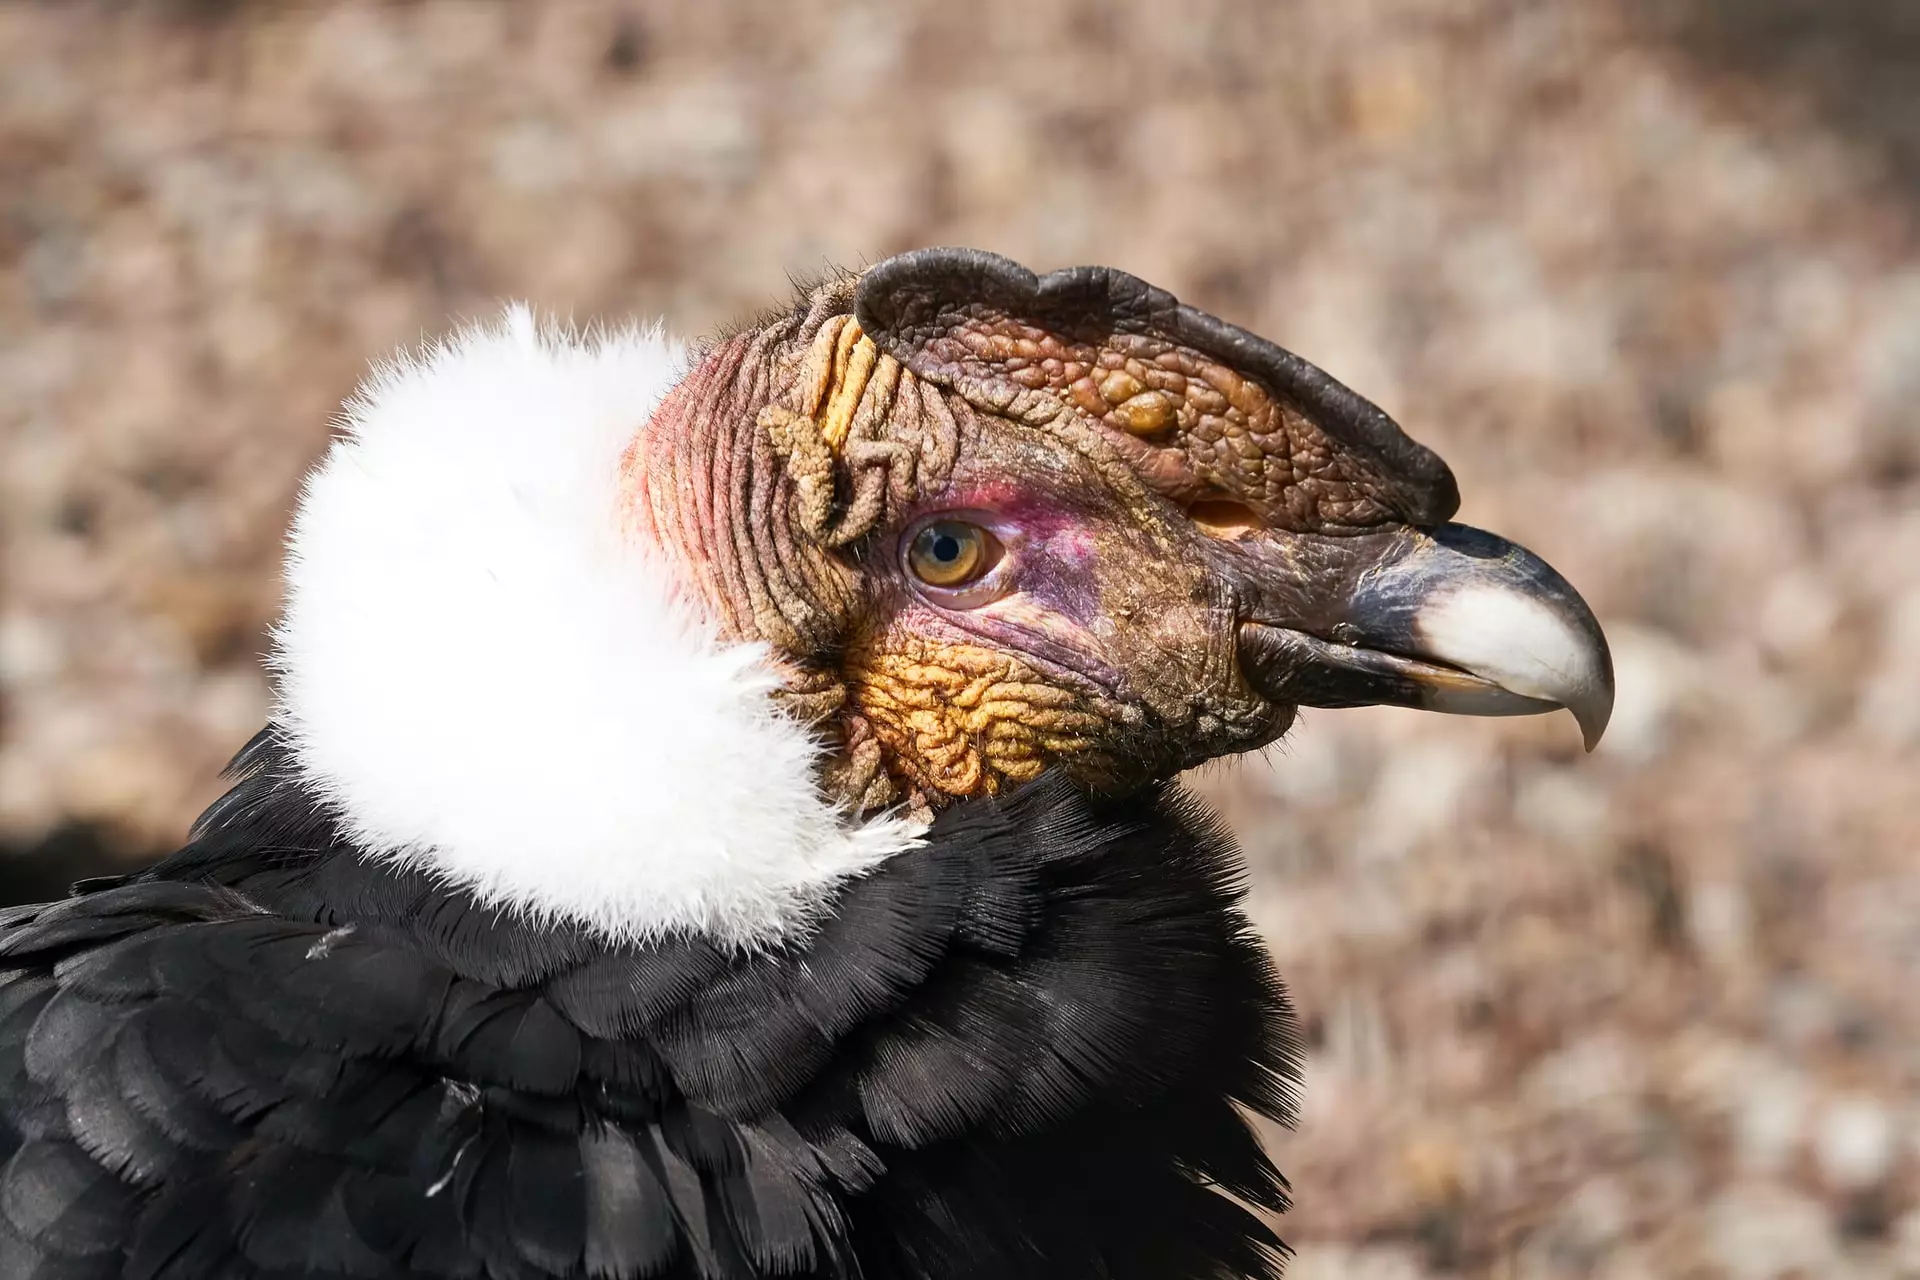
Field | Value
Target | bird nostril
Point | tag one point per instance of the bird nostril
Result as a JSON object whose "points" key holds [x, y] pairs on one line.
{"points": [[1223, 517]]}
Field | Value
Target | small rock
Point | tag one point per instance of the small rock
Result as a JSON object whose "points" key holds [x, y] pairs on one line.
{"points": [[1762, 1232], [1855, 1142]]}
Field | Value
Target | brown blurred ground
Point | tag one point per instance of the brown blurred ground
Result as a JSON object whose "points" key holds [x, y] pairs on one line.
{"points": [[1644, 272]]}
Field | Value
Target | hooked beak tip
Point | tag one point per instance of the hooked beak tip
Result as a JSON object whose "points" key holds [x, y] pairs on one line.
{"points": [[1592, 718]]}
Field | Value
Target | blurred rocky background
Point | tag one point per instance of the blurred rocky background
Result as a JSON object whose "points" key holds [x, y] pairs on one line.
{"points": [[1643, 270]]}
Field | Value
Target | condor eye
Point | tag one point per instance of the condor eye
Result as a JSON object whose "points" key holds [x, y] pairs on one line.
{"points": [[951, 553]]}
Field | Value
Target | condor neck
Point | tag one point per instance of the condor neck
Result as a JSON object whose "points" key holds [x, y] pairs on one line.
{"points": [[705, 481]]}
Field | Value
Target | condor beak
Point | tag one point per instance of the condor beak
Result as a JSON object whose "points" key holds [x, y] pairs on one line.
{"points": [[1450, 619]]}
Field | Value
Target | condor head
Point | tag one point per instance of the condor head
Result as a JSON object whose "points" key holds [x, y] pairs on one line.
{"points": [[992, 523]]}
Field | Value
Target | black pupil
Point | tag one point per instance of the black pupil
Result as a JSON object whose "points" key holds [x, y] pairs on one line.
{"points": [[946, 548]]}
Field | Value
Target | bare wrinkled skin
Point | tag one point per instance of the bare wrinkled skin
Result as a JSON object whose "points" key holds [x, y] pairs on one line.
{"points": [[1117, 446]]}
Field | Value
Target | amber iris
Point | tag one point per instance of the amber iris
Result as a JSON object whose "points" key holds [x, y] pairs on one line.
{"points": [[950, 553]]}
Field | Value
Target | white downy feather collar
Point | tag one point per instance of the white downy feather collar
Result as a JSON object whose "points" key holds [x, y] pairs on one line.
{"points": [[488, 678]]}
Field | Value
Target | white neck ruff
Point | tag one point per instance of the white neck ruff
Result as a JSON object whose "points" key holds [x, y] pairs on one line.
{"points": [[486, 677]]}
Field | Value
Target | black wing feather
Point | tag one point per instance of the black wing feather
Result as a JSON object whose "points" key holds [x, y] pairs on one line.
{"points": [[1018, 1051]]}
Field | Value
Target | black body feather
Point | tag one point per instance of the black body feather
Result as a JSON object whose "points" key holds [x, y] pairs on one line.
{"points": [[1023, 1050]]}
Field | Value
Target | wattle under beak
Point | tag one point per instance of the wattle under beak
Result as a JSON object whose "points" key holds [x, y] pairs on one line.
{"points": [[1450, 619]]}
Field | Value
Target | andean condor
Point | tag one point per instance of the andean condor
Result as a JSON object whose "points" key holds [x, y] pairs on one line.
{"points": [[716, 820]]}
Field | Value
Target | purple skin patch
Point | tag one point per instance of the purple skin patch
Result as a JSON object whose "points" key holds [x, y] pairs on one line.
{"points": [[1039, 600], [1102, 592]]}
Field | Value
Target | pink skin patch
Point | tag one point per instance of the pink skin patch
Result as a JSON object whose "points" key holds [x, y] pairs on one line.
{"points": [[1041, 600]]}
